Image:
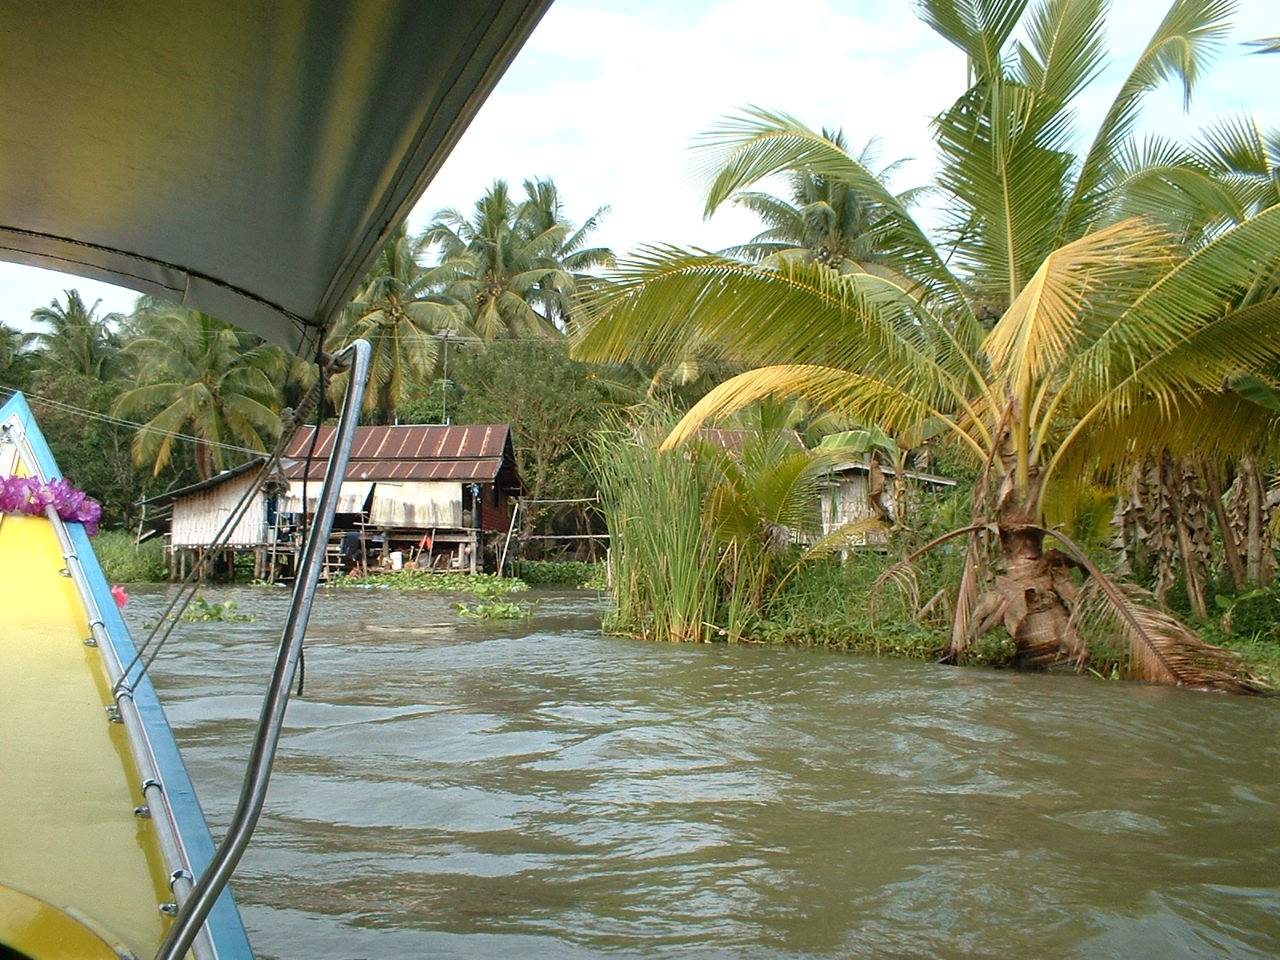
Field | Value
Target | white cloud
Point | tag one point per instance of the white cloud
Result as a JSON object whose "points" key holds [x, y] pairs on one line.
{"points": [[636, 88]]}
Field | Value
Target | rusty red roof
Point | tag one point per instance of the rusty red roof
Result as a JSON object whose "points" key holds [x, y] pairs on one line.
{"points": [[409, 452]]}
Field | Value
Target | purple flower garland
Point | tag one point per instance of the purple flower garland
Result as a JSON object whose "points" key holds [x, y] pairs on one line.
{"points": [[32, 496]]}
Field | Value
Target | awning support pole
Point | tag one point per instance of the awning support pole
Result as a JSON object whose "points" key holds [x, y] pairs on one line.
{"points": [[253, 792]]}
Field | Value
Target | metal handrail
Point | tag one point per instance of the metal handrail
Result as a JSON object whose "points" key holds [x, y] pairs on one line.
{"points": [[253, 792]]}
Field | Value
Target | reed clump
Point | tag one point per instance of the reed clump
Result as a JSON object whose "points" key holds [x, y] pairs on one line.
{"points": [[701, 535]]}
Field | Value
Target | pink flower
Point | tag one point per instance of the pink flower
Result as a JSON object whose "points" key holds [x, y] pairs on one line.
{"points": [[121, 596]]}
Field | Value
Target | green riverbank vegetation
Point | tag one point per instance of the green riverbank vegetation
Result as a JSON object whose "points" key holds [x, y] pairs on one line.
{"points": [[124, 560], [424, 581], [580, 574]]}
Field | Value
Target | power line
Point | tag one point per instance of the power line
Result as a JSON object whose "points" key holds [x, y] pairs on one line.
{"points": [[119, 422]]}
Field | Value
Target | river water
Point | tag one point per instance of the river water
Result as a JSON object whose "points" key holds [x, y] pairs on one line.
{"points": [[447, 789]]}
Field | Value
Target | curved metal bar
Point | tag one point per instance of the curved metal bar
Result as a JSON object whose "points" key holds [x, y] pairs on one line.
{"points": [[253, 792]]}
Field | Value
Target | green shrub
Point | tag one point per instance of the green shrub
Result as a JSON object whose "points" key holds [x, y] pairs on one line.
{"points": [[569, 573], [124, 561], [479, 584], [495, 610], [1255, 613]]}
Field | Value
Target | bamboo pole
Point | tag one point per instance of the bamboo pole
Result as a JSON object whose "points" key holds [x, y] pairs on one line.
{"points": [[507, 543]]}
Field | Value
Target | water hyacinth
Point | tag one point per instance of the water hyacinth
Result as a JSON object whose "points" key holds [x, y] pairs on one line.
{"points": [[32, 496]]}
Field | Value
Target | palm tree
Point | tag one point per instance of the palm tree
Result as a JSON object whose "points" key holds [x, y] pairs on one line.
{"points": [[1114, 337], [77, 339], [825, 219], [14, 349], [516, 267], [208, 379], [543, 214], [401, 315]]}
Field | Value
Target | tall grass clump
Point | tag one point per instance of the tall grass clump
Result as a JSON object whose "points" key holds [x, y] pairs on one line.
{"points": [[665, 568], [126, 561], [702, 535]]}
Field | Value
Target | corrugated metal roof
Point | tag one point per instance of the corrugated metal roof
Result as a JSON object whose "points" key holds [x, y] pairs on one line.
{"points": [[215, 480], [409, 452], [862, 466]]}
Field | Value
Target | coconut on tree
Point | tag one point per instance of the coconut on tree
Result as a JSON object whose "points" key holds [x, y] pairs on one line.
{"points": [[1116, 328]]}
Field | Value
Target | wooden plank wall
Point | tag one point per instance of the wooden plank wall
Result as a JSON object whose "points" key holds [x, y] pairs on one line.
{"points": [[198, 517]]}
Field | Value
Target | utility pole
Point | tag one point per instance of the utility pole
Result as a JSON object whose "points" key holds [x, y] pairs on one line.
{"points": [[444, 384]]}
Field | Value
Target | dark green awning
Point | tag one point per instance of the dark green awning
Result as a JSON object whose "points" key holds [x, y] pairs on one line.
{"points": [[243, 157]]}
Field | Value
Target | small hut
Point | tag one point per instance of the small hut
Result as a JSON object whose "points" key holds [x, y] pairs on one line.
{"points": [[858, 490], [421, 495]]}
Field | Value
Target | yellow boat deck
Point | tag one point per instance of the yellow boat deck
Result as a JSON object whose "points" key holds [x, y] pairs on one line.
{"points": [[68, 783]]}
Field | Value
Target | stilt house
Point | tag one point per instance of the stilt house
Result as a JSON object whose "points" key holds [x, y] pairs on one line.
{"points": [[422, 495]]}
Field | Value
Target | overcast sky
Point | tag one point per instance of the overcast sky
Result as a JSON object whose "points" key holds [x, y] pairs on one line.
{"points": [[608, 94]]}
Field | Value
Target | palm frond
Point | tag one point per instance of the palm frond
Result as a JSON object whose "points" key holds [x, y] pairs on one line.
{"points": [[1166, 183], [889, 402], [1182, 44], [657, 306], [842, 536], [1067, 47], [1077, 287], [1006, 161], [1154, 645], [1174, 336], [745, 149], [978, 29]]}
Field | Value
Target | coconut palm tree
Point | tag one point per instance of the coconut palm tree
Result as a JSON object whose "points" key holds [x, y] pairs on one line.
{"points": [[401, 313], [206, 379], [542, 212], [76, 340], [1114, 335], [516, 266], [825, 219], [15, 346]]}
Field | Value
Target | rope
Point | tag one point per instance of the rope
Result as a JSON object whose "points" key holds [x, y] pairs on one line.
{"points": [[306, 473], [119, 422]]}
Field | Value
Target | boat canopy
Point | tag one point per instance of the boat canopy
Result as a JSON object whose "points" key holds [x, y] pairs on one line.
{"points": [[242, 158]]}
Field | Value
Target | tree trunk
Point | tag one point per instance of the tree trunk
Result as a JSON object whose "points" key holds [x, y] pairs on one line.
{"points": [[1192, 573], [1189, 527], [1034, 593], [1254, 536], [204, 460], [1230, 545]]}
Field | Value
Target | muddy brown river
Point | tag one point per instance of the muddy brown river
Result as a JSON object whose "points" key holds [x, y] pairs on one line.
{"points": [[448, 789]]}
